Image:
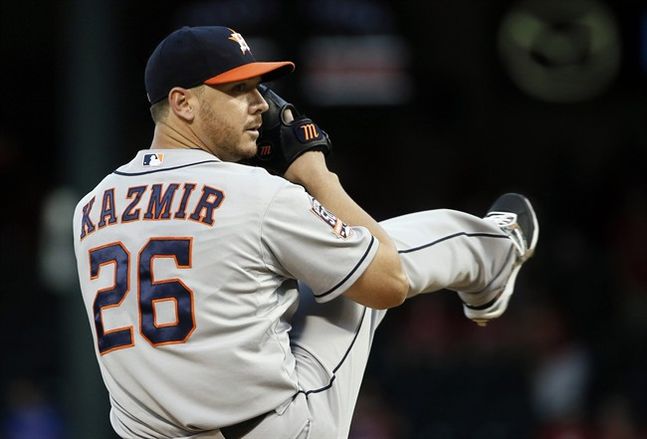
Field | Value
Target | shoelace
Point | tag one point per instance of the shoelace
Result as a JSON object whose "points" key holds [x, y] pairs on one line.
{"points": [[507, 222]]}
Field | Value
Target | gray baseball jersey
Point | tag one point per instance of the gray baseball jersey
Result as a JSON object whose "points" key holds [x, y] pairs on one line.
{"points": [[187, 266]]}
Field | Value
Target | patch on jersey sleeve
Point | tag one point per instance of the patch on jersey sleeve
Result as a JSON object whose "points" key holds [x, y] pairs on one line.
{"points": [[338, 227]]}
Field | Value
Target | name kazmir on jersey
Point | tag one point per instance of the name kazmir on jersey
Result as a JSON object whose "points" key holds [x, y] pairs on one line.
{"points": [[187, 267]]}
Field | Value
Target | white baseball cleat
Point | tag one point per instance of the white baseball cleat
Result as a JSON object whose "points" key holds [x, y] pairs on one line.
{"points": [[514, 215]]}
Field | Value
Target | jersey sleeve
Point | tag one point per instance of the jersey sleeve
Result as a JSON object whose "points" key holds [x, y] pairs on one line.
{"points": [[300, 239]]}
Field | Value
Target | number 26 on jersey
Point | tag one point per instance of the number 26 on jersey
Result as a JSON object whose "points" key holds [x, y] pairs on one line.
{"points": [[150, 292]]}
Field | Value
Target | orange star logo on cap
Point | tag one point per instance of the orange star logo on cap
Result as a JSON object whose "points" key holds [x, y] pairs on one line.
{"points": [[235, 36]]}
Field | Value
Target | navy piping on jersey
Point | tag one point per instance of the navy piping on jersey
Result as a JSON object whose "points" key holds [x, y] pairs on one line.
{"points": [[455, 235], [370, 246], [131, 174], [352, 343]]}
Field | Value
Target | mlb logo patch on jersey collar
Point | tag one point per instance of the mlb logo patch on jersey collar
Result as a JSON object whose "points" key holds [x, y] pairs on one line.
{"points": [[153, 159]]}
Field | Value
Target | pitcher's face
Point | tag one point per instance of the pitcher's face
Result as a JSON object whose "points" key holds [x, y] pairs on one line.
{"points": [[229, 117]]}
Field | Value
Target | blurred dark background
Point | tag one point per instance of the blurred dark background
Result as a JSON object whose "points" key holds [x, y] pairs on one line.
{"points": [[429, 105]]}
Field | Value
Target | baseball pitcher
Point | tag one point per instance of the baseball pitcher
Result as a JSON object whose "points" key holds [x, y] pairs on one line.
{"points": [[228, 301]]}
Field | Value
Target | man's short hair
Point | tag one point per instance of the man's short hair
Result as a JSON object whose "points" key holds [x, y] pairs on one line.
{"points": [[160, 110]]}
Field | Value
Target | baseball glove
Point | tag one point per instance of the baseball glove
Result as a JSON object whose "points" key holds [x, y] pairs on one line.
{"points": [[280, 142]]}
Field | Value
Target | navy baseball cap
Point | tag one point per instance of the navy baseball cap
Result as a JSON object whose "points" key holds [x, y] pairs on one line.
{"points": [[212, 55]]}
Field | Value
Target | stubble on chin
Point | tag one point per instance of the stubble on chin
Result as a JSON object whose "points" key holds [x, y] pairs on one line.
{"points": [[249, 151], [235, 150]]}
